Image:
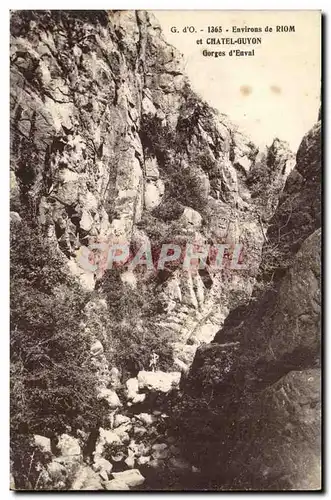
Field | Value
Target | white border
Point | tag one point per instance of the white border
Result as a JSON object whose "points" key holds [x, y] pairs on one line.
{"points": [[4, 182]]}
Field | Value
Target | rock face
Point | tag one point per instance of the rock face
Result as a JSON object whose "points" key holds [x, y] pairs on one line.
{"points": [[110, 143], [262, 370]]}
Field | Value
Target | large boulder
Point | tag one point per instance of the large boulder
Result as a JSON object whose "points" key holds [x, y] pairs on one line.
{"points": [[43, 443], [69, 446], [131, 477], [111, 397], [158, 380]]}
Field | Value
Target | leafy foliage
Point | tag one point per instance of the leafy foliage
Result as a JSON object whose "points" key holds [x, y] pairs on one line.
{"points": [[52, 385]]}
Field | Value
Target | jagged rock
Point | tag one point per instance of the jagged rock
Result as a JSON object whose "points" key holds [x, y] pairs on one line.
{"points": [[131, 477], [116, 485], [139, 431], [111, 397], [101, 464], [130, 462], [86, 479], [44, 443], [122, 432], [15, 217], [68, 446], [56, 471], [158, 381], [96, 348], [106, 437], [103, 475], [191, 216], [121, 419], [146, 418], [143, 460]]}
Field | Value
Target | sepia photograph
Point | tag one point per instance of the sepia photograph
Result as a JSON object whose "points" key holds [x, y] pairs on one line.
{"points": [[165, 250]]}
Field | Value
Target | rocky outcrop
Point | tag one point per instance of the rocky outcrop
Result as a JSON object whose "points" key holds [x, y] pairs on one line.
{"points": [[261, 374], [109, 143]]}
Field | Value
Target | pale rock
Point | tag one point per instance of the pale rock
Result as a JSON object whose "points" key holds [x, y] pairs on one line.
{"points": [[68, 446], [56, 471], [121, 419], [96, 348], [151, 168], [111, 397], [15, 217], [146, 418], [106, 437], [158, 380], [143, 460], [154, 191], [101, 464], [191, 216], [44, 443], [86, 221], [130, 461], [103, 475], [116, 485], [139, 431], [129, 279], [132, 387], [131, 477]]}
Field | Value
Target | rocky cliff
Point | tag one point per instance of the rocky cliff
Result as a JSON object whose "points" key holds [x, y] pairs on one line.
{"points": [[263, 367], [110, 144]]}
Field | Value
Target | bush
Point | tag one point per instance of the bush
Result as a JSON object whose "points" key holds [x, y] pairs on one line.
{"points": [[52, 385], [134, 334]]}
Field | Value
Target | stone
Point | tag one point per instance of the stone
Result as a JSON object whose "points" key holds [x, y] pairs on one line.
{"points": [[111, 397], [121, 419], [132, 387], [130, 461], [191, 216], [56, 471], [96, 348], [154, 191], [101, 464], [139, 431], [106, 437], [68, 446], [44, 443], [103, 475], [116, 485], [146, 418], [86, 479], [131, 477], [143, 460], [158, 380]]}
